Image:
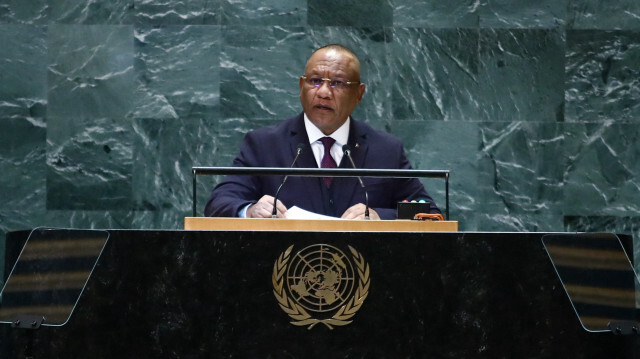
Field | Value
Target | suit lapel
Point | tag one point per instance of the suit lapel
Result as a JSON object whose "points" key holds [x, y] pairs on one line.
{"points": [[298, 135]]}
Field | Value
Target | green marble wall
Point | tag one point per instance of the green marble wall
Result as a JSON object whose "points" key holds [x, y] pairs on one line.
{"points": [[534, 106]]}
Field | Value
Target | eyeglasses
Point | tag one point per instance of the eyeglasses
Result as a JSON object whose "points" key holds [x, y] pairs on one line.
{"points": [[334, 84]]}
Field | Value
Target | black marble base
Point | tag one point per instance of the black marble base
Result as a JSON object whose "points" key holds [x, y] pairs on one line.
{"points": [[192, 294]]}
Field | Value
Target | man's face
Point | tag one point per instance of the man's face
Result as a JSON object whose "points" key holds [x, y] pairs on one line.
{"points": [[328, 108]]}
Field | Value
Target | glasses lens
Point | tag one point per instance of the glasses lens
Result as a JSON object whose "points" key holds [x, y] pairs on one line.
{"points": [[334, 84]]}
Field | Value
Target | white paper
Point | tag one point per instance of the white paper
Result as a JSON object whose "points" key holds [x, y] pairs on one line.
{"points": [[299, 213]]}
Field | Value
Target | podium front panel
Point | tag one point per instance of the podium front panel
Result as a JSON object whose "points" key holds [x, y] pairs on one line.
{"points": [[215, 294]]}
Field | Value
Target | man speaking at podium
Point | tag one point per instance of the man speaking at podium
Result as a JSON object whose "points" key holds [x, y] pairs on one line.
{"points": [[330, 89]]}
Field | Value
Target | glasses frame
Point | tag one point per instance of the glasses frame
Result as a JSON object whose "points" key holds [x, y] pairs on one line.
{"points": [[346, 84]]}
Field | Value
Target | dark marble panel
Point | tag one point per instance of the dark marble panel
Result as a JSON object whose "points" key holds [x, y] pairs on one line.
{"points": [[89, 164], [177, 12], [435, 74], [24, 12], [90, 219], [372, 47], [178, 72], [164, 153], [453, 146], [264, 12], [605, 15], [521, 75], [92, 12], [602, 76], [355, 13], [522, 168], [522, 14], [22, 175], [90, 70], [602, 169], [260, 71], [23, 164], [436, 14], [23, 71]]}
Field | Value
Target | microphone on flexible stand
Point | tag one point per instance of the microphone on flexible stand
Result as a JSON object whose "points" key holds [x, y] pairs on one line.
{"points": [[274, 213], [347, 152]]}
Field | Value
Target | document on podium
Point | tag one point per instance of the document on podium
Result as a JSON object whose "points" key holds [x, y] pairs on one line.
{"points": [[299, 213]]}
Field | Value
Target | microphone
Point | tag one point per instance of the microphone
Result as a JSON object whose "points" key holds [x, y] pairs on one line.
{"points": [[347, 152], [299, 148]]}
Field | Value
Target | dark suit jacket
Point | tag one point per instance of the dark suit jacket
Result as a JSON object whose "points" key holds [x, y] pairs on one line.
{"points": [[275, 146]]}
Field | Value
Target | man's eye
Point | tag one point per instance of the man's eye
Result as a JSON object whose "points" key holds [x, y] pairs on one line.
{"points": [[316, 81], [336, 83]]}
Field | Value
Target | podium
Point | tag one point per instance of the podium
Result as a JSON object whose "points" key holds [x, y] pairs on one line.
{"points": [[269, 224], [219, 293]]}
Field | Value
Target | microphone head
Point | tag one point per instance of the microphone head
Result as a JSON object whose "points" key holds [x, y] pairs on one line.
{"points": [[346, 149], [300, 147]]}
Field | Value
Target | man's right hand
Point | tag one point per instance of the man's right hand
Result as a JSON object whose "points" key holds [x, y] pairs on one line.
{"points": [[264, 208]]}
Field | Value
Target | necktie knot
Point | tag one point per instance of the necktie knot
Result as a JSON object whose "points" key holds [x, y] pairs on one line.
{"points": [[327, 142]]}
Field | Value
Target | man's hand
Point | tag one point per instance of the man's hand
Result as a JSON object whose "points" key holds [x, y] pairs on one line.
{"points": [[357, 212], [264, 208]]}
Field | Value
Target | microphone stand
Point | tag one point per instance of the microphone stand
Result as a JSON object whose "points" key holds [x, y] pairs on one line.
{"points": [[274, 213], [347, 151]]}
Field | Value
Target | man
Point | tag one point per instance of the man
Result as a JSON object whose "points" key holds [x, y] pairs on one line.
{"points": [[330, 89]]}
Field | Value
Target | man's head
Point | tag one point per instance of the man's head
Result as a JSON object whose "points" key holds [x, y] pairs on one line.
{"points": [[327, 107]]}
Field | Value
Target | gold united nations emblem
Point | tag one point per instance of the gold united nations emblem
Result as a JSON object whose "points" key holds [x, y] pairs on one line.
{"points": [[320, 284]]}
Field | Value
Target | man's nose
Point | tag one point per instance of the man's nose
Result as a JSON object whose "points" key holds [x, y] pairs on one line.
{"points": [[325, 89]]}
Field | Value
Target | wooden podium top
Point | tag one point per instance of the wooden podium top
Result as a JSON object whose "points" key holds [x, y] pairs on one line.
{"points": [[304, 225]]}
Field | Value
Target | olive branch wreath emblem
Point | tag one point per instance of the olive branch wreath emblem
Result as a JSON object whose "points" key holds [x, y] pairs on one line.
{"points": [[299, 315]]}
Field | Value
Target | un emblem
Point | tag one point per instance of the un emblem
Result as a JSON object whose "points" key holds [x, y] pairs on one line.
{"points": [[320, 284]]}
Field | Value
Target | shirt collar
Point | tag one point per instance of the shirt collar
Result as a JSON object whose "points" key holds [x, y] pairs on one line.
{"points": [[341, 135]]}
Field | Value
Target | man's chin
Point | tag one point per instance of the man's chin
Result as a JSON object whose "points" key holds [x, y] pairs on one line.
{"points": [[327, 123]]}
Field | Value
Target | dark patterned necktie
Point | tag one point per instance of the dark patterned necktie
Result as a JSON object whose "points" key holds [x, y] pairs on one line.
{"points": [[327, 160]]}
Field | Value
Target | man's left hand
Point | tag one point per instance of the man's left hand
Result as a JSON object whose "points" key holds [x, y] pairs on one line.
{"points": [[357, 212]]}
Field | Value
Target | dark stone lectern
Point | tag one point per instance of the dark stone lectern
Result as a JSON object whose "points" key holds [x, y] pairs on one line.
{"points": [[210, 294]]}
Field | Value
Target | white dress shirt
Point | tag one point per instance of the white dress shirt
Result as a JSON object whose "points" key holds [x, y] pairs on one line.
{"points": [[341, 135]]}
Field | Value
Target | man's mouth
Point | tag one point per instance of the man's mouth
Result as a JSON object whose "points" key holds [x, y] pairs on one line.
{"points": [[323, 107]]}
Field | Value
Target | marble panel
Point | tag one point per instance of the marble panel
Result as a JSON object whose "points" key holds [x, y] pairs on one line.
{"points": [[521, 75], [23, 164], [602, 170], [604, 15], [164, 153], [602, 76], [89, 219], [23, 179], [177, 71], [24, 12], [23, 71], [436, 14], [435, 74], [177, 12], [371, 13], [264, 12], [372, 47], [521, 174], [89, 164], [522, 14], [160, 219], [260, 71], [90, 70], [92, 12], [428, 145]]}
